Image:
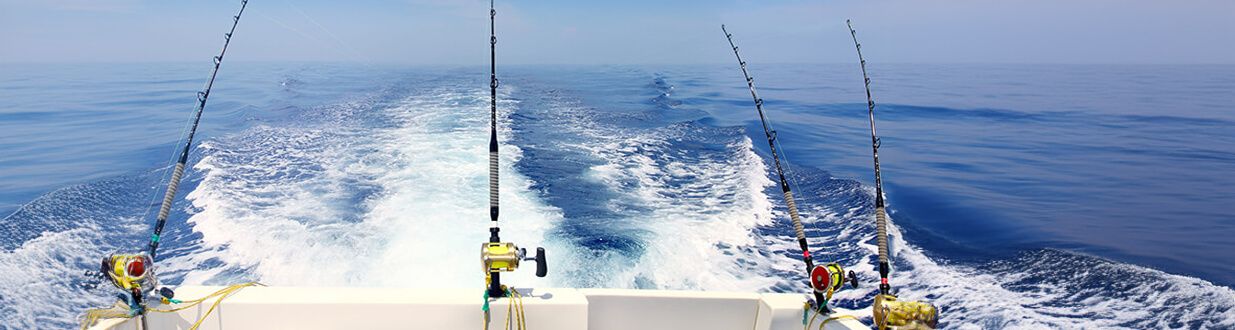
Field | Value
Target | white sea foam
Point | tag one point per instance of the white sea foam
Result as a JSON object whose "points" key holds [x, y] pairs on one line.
{"points": [[41, 281], [700, 225], [1064, 290], [403, 204], [703, 214], [278, 205], [46, 280], [693, 213], [1042, 290]]}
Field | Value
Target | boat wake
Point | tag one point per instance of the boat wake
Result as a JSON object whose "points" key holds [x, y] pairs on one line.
{"points": [[344, 203], [389, 190]]}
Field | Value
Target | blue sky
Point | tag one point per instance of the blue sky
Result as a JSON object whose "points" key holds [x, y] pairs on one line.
{"points": [[623, 32]]}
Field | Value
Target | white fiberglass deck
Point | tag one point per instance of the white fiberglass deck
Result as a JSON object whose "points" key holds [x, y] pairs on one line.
{"points": [[546, 309]]}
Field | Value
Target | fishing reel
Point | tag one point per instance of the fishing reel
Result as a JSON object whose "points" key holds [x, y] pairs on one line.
{"points": [[830, 278], [827, 279], [134, 274], [498, 257], [130, 272], [910, 315], [505, 257]]}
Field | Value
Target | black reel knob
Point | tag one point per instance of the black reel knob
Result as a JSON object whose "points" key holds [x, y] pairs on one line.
{"points": [[853, 279], [542, 267], [167, 292]]}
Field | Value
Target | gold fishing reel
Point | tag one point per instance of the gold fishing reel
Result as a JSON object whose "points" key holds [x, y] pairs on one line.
{"points": [[505, 257], [498, 257], [905, 315]]}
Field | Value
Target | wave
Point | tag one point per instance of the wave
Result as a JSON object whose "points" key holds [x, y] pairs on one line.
{"points": [[54, 241], [1038, 288], [388, 190], [353, 206]]}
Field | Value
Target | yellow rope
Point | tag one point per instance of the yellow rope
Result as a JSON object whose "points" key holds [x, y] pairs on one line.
{"points": [[518, 300], [824, 302], [825, 321], [806, 308], [509, 306], [514, 309], [215, 305], [834, 318], [120, 310], [186, 304]]}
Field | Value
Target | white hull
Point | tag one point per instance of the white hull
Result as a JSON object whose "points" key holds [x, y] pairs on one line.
{"points": [[545, 309]]}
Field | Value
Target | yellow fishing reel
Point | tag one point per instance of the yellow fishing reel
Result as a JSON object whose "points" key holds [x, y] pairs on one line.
{"points": [[911, 315], [497, 257], [134, 274], [130, 272], [505, 257]]}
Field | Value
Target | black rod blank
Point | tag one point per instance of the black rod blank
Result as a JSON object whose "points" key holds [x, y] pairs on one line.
{"points": [[495, 281], [881, 214], [174, 183], [784, 184]]}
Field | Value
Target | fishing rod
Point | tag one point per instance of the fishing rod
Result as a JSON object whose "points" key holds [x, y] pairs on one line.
{"points": [[178, 171], [496, 255], [824, 279], [493, 159], [881, 215], [888, 311], [134, 273]]}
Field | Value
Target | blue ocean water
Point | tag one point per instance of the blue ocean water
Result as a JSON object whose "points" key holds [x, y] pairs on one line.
{"points": [[1022, 196]]}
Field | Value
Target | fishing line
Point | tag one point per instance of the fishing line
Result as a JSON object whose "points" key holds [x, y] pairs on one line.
{"points": [[289, 28], [349, 47], [823, 279], [790, 174], [202, 96], [789, 177], [303, 34], [152, 196]]}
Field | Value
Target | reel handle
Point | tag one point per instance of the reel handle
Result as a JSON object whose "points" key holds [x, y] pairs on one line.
{"points": [[542, 266]]}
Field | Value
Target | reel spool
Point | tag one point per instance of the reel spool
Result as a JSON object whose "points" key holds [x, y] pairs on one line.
{"points": [[130, 272], [830, 278], [505, 257], [889, 312]]}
